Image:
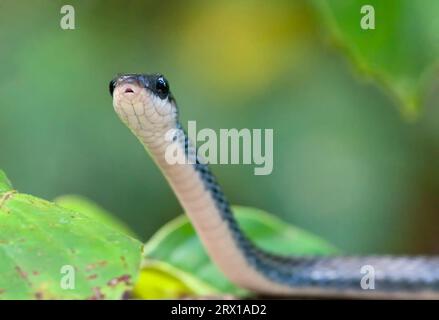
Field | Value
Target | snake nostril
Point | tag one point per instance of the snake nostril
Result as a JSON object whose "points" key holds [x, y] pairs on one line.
{"points": [[129, 90]]}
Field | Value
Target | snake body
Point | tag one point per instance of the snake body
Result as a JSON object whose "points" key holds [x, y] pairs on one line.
{"points": [[145, 104]]}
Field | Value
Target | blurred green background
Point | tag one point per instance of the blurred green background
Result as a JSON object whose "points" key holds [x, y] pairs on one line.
{"points": [[348, 165]]}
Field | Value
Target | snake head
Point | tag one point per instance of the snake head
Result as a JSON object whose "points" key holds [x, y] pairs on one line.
{"points": [[143, 101], [156, 83]]}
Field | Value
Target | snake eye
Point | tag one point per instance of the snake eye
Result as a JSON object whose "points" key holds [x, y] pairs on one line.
{"points": [[111, 86], [162, 87]]}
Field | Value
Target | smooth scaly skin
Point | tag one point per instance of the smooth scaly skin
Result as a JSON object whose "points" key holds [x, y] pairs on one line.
{"points": [[150, 118]]}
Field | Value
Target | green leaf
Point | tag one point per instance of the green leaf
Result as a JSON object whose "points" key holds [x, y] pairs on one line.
{"points": [[400, 52], [5, 184], [175, 250], [39, 238], [94, 211]]}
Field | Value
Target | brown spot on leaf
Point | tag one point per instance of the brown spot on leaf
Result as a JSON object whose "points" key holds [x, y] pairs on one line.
{"points": [[93, 266], [127, 295], [22, 274], [124, 262], [126, 278], [2, 291], [102, 263], [97, 294], [39, 295], [92, 276], [35, 273], [5, 197]]}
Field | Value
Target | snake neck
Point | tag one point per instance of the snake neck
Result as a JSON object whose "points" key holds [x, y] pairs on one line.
{"points": [[249, 267], [207, 207]]}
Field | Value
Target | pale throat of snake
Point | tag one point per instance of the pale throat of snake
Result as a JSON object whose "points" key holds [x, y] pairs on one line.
{"points": [[145, 104]]}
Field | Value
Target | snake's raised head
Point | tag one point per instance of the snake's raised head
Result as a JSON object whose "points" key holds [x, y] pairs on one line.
{"points": [[144, 102]]}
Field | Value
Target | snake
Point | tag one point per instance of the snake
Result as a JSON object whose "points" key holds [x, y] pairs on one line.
{"points": [[145, 104]]}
